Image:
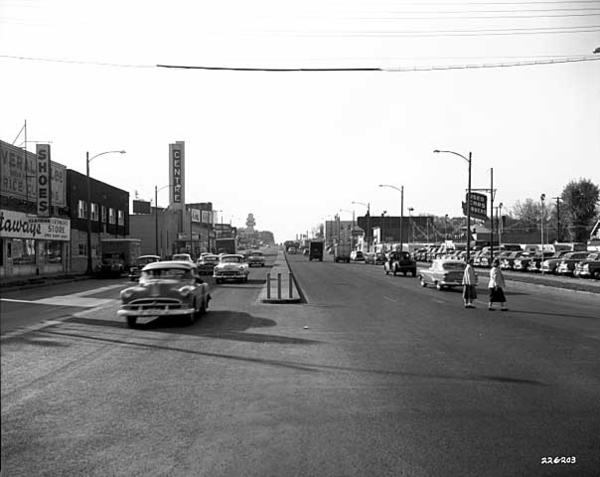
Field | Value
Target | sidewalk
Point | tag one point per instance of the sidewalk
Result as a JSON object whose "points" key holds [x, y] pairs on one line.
{"points": [[33, 282], [288, 292]]}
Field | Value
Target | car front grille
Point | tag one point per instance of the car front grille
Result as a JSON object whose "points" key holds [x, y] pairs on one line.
{"points": [[153, 304]]}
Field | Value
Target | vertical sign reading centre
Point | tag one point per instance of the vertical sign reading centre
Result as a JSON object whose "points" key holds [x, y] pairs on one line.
{"points": [[177, 173], [43, 180]]}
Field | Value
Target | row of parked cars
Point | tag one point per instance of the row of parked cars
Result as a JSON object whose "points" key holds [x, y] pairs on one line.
{"points": [[584, 264]]}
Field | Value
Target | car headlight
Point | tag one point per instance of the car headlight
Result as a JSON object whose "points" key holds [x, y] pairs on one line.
{"points": [[185, 291], [126, 294]]}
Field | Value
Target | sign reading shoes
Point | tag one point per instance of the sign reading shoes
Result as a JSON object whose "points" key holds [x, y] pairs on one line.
{"points": [[43, 180]]}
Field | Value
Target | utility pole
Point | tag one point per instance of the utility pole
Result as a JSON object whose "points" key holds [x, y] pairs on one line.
{"points": [[557, 199]]}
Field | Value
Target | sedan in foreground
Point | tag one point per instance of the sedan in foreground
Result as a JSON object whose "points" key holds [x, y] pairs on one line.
{"points": [[170, 288]]}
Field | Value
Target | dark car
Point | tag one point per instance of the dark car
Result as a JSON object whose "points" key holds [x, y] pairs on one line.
{"points": [[550, 265], [256, 258], [136, 270], [569, 260], [588, 268], [111, 265], [400, 262], [206, 264]]}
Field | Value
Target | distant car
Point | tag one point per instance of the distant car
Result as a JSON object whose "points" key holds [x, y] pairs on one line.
{"points": [[522, 263], [111, 265], [375, 258], [231, 267], [292, 250], [400, 262], [170, 288], [443, 273], [136, 270], [507, 259], [256, 258], [550, 265], [568, 262], [182, 257], [588, 268], [206, 264], [357, 256]]}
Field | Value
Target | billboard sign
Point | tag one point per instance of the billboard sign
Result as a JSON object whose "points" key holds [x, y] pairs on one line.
{"points": [[141, 207], [177, 173], [478, 205], [43, 180]]}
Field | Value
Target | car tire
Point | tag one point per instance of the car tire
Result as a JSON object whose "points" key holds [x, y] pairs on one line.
{"points": [[132, 321], [439, 286], [422, 282]]}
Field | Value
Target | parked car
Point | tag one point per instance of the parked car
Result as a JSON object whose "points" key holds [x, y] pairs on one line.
{"points": [[170, 288], [136, 270], [207, 263], [507, 259], [375, 258], [568, 262], [400, 262], [443, 273], [256, 258], [551, 264], [535, 265], [231, 267], [182, 257], [522, 263], [588, 268], [357, 256]]}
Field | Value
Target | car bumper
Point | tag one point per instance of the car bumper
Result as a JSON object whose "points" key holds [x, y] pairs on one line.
{"points": [[237, 276], [125, 312]]}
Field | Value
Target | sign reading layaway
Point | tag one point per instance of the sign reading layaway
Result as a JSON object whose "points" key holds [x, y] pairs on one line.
{"points": [[43, 180], [19, 225]]}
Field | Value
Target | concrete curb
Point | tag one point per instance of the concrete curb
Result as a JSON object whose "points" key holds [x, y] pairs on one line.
{"points": [[27, 283], [289, 289]]}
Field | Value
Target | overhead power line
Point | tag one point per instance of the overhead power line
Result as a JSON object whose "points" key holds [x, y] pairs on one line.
{"points": [[527, 62]]}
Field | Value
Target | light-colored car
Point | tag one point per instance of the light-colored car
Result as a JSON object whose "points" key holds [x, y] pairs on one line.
{"points": [[443, 274], [182, 257], [357, 256], [231, 267], [170, 288], [141, 262], [256, 258]]}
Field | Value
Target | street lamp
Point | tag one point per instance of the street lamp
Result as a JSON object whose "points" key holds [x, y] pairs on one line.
{"points": [[411, 223], [542, 199], [401, 190], [468, 199], [368, 206], [156, 190], [89, 159]]}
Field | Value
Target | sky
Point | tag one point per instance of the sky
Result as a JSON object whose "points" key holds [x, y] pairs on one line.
{"points": [[294, 148]]}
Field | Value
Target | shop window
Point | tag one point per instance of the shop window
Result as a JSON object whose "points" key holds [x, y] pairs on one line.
{"points": [[81, 250], [23, 251], [103, 216], [51, 251], [111, 216], [120, 217], [81, 209], [94, 212]]}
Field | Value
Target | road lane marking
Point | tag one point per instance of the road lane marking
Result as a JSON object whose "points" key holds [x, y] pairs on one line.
{"points": [[66, 300], [391, 299]]}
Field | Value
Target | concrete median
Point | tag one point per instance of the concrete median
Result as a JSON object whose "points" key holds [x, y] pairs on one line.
{"points": [[280, 286]]}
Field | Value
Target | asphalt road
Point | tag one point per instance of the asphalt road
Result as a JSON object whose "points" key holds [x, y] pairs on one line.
{"points": [[373, 376]]}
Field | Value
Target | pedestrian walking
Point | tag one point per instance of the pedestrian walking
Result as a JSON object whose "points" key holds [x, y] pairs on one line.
{"points": [[469, 282], [496, 287]]}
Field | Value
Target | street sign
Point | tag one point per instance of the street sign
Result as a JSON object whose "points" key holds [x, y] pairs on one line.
{"points": [[478, 205]]}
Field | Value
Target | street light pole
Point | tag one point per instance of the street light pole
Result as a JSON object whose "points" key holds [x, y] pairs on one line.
{"points": [[89, 159], [401, 190], [542, 198], [468, 199], [368, 205]]}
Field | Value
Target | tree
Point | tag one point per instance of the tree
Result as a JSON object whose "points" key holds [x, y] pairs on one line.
{"points": [[580, 205], [527, 214]]}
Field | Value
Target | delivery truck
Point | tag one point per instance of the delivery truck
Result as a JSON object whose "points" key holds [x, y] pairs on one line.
{"points": [[118, 256], [341, 252], [315, 250]]}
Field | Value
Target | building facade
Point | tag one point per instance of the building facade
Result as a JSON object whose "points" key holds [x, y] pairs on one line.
{"points": [[109, 215], [34, 220]]}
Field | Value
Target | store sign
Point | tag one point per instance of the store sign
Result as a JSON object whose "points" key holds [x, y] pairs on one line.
{"points": [[177, 172], [43, 180], [20, 173], [19, 225], [478, 205], [207, 217], [195, 215]]}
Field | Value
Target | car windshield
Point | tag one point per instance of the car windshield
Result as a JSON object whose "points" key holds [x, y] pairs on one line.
{"points": [[210, 259], [168, 273], [146, 260], [231, 259], [256, 254], [453, 266]]}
